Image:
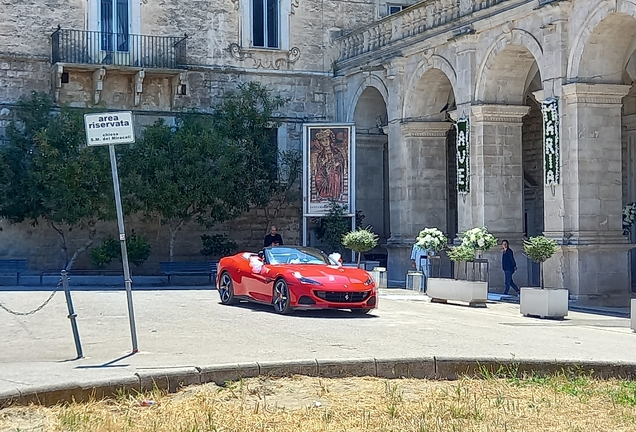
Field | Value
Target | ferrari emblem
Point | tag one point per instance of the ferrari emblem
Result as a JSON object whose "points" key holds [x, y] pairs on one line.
{"points": [[346, 296]]}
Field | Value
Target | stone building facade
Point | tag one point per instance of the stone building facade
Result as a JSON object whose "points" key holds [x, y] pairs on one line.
{"points": [[494, 63], [158, 57], [403, 75]]}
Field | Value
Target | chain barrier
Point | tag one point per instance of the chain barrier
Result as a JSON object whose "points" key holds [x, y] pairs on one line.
{"points": [[39, 308]]}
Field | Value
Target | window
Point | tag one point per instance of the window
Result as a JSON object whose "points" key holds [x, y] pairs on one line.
{"points": [[115, 25], [265, 23], [394, 9]]}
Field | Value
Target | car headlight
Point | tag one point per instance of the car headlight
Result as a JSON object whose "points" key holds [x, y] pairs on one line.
{"points": [[368, 282], [305, 280]]}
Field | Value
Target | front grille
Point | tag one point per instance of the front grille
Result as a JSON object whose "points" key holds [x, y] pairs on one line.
{"points": [[343, 296]]}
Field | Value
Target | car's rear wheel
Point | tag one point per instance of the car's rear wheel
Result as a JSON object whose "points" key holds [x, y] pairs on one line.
{"points": [[360, 311], [280, 297], [226, 290]]}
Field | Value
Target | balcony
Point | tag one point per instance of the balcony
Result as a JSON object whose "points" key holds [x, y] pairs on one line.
{"points": [[413, 24], [94, 48]]}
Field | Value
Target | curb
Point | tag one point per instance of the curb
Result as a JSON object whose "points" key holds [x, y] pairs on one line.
{"points": [[440, 368]]}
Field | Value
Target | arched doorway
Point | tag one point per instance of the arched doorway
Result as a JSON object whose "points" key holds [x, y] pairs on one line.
{"points": [[372, 192], [598, 115], [507, 161]]}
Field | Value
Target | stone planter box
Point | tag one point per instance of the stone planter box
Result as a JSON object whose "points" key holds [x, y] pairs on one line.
{"points": [[442, 290], [378, 274], [544, 303], [632, 314]]}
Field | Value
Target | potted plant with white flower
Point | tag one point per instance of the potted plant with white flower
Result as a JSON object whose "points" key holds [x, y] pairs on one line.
{"points": [[431, 239], [442, 290], [479, 239], [549, 303]]}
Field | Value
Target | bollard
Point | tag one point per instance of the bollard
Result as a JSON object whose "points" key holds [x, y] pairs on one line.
{"points": [[72, 315]]}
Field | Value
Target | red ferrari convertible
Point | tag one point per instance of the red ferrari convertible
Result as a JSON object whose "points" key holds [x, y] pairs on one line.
{"points": [[293, 277]]}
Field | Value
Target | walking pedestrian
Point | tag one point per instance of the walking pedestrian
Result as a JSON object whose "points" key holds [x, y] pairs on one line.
{"points": [[509, 266]]}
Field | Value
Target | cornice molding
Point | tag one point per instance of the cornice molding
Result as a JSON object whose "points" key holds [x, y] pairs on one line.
{"points": [[498, 113], [595, 94], [425, 129]]}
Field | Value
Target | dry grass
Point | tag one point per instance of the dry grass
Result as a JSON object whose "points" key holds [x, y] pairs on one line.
{"points": [[561, 403]]}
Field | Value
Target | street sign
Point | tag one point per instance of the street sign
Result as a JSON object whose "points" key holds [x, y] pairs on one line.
{"points": [[109, 128]]}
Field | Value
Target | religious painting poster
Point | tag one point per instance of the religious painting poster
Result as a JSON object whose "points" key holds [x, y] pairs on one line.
{"points": [[551, 144], [328, 167], [463, 155]]}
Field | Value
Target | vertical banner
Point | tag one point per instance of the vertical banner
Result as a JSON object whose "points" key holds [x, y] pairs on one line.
{"points": [[551, 151], [328, 171], [463, 155]]}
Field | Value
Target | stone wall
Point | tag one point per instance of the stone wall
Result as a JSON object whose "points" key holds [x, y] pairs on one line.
{"points": [[41, 245]]}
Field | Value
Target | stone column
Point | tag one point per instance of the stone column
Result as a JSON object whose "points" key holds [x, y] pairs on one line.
{"points": [[496, 190], [370, 182], [420, 196], [593, 260]]}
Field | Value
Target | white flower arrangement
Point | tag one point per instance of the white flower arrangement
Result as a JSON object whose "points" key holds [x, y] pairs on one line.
{"points": [[478, 239], [629, 217], [431, 239]]}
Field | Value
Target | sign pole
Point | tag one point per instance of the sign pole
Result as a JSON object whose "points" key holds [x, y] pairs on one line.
{"points": [[124, 251]]}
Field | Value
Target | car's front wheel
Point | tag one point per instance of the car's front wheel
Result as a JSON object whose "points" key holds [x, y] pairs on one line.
{"points": [[280, 297], [226, 290]]}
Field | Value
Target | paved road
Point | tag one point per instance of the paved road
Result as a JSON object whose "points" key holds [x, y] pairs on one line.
{"points": [[188, 328]]}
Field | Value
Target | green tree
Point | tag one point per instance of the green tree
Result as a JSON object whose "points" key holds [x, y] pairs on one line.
{"points": [[333, 226], [539, 249], [360, 241], [50, 175], [207, 168]]}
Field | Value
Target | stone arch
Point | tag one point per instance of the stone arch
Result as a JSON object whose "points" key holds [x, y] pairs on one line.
{"points": [[372, 81], [430, 88], [610, 24], [494, 84]]}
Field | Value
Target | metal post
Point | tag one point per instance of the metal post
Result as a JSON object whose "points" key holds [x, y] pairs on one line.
{"points": [[124, 251], [72, 315]]}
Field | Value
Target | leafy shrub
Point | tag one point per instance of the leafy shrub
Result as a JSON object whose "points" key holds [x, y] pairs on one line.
{"points": [[110, 249], [360, 241], [540, 249], [461, 253], [217, 245], [333, 226]]}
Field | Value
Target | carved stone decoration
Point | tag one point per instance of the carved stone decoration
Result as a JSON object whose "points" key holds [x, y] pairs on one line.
{"points": [[259, 63], [139, 85], [98, 83]]}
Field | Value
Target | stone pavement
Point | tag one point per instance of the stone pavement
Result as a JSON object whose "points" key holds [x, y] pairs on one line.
{"points": [[189, 328]]}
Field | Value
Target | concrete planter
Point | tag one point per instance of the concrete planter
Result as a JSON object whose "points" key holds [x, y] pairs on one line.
{"points": [[544, 303], [442, 290], [379, 277], [632, 314]]}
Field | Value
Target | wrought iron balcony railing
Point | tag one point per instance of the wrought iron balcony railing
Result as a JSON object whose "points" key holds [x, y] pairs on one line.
{"points": [[118, 49]]}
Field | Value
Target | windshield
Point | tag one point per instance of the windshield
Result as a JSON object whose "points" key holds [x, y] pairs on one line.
{"points": [[291, 255]]}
